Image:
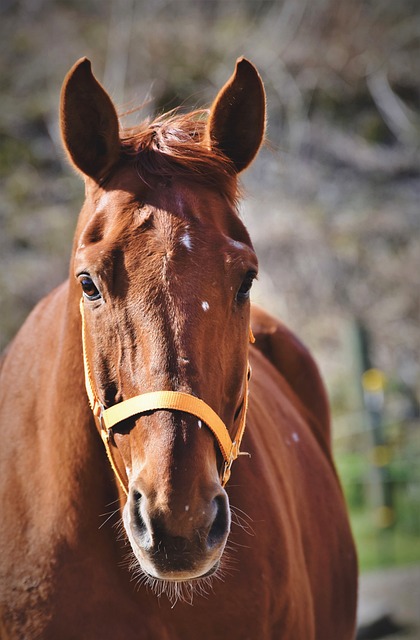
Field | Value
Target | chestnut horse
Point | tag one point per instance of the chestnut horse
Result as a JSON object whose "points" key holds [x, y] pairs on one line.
{"points": [[148, 345]]}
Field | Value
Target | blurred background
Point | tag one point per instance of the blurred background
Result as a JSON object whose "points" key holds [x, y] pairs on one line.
{"points": [[332, 204]]}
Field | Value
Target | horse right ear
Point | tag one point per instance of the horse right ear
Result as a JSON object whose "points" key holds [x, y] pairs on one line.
{"points": [[89, 122]]}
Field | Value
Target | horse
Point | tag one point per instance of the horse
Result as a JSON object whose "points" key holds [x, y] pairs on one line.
{"points": [[148, 388]]}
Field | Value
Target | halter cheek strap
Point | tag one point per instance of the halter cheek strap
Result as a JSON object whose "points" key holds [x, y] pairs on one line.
{"points": [[168, 400]]}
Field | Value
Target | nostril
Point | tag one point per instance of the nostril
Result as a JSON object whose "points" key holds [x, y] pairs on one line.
{"points": [[220, 527], [138, 519]]}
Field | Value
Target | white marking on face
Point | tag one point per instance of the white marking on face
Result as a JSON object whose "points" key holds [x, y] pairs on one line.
{"points": [[186, 241], [187, 507], [295, 437], [205, 305]]}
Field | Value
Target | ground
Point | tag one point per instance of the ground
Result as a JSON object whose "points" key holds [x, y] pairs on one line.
{"points": [[394, 593]]}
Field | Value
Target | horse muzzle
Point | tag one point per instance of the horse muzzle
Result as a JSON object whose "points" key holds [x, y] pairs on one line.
{"points": [[177, 543]]}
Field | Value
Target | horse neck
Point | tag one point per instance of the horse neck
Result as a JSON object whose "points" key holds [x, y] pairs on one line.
{"points": [[59, 448]]}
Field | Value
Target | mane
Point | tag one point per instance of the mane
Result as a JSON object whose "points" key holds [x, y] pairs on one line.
{"points": [[174, 145]]}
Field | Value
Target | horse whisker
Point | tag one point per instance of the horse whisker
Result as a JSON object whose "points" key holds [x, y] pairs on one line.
{"points": [[110, 515]]}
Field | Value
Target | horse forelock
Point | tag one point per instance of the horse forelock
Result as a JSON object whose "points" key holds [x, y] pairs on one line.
{"points": [[174, 146]]}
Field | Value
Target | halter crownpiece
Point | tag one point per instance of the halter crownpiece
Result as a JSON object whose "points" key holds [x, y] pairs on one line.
{"points": [[167, 400]]}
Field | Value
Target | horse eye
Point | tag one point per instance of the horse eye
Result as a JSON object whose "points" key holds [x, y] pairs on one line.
{"points": [[245, 288], [90, 291]]}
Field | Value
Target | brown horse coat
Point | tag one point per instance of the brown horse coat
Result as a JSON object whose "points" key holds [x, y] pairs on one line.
{"points": [[288, 569]]}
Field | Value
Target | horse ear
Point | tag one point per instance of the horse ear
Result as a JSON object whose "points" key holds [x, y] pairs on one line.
{"points": [[89, 122], [237, 118]]}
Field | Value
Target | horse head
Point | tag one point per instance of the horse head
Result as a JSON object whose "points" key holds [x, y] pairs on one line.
{"points": [[164, 266]]}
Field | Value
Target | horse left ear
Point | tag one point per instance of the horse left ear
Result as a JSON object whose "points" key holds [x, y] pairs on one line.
{"points": [[89, 122], [237, 118]]}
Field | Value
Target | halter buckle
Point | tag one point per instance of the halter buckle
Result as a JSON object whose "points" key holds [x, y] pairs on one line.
{"points": [[227, 470], [234, 452], [98, 412], [98, 409]]}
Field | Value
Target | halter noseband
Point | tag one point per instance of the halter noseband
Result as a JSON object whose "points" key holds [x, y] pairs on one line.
{"points": [[169, 400]]}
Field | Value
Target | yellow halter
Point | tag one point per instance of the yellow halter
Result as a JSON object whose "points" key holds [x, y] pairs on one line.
{"points": [[170, 400]]}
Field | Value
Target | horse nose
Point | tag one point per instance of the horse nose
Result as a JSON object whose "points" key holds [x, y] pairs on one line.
{"points": [[182, 533]]}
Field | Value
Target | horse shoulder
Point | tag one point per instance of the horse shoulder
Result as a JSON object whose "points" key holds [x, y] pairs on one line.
{"points": [[295, 363], [288, 405]]}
